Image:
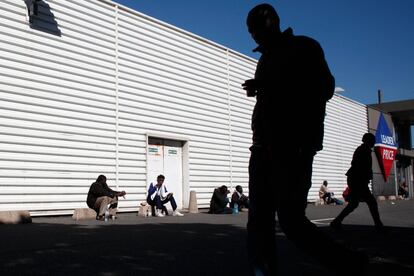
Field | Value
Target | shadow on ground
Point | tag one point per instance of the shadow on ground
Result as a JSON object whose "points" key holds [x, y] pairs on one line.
{"points": [[177, 249], [147, 249], [390, 253]]}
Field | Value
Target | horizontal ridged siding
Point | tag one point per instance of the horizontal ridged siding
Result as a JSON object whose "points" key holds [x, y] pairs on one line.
{"points": [[81, 102], [345, 123], [57, 105]]}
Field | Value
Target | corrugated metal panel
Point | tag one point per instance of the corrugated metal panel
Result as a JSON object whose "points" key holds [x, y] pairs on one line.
{"points": [[175, 84], [80, 98], [241, 108], [57, 98], [345, 123]]}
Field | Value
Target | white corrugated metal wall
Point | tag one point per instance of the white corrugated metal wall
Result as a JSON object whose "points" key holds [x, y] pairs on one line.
{"points": [[345, 123], [82, 101], [57, 104], [176, 85], [241, 109]]}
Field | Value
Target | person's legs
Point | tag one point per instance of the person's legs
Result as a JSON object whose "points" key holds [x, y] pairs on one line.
{"points": [[113, 207], [261, 233], [294, 223], [102, 203], [354, 196], [352, 205], [152, 203], [373, 208], [170, 198]]}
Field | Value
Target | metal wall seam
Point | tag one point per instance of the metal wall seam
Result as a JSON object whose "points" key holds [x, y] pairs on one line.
{"points": [[116, 96], [230, 118]]}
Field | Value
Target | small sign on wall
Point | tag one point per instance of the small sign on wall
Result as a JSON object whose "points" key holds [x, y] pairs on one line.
{"points": [[154, 151]]}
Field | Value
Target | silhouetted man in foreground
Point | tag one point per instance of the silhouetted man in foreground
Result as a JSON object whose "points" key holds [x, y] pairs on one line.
{"points": [[292, 84], [358, 178]]}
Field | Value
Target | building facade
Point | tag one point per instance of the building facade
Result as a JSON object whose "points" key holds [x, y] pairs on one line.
{"points": [[92, 87]]}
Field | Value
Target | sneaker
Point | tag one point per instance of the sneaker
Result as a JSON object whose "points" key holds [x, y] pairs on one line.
{"points": [[177, 214], [159, 213], [101, 218]]}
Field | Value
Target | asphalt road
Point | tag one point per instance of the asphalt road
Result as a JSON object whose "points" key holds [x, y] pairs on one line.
{"points": [[196, 244]]}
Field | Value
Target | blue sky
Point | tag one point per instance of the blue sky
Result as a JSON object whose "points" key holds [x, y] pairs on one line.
{"points": [[369, 44]]}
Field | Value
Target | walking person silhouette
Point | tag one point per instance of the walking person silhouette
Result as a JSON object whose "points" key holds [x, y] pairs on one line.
{"points": [[292, 72], [358, 177]]}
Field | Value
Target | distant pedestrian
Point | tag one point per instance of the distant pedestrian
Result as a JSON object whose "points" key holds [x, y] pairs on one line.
{"points": [[292, 72], [359, 176]]}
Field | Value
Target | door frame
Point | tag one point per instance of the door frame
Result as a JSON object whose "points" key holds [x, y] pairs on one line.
{"points": [[185, 159]]}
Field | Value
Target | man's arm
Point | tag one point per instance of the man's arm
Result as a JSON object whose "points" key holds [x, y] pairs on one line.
{"points": [[112, 193]]}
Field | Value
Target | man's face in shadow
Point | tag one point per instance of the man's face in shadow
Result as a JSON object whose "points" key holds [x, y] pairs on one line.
{"points": [[160, 180], [263, 28]]}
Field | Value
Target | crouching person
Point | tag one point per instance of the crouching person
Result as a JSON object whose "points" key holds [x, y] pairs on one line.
{"points": [[239, 198], [100, 196], [219, 201], [158, 196]]}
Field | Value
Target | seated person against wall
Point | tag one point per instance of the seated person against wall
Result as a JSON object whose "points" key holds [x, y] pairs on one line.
{"points": [[158, 196], [239, 198], [403, 189], [219, 201], [327, 196], [100, 196]]}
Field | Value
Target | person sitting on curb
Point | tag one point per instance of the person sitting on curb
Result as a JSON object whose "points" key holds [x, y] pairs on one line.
{"points": [[100, 196], [158, 196], [239, 198], [327, 196], [219, 201], [403, 189]]}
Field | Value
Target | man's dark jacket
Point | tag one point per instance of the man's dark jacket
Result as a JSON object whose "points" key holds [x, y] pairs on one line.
{"points": [[96, 190], [218, 201], [296, 84], [361, 167]]}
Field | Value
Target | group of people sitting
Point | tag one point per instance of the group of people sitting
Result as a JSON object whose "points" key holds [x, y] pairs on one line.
{"points": [[403, 189], [220, 203], [327, 196], [103, 199]]}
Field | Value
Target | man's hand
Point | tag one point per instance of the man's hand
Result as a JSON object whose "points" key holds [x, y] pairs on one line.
{"points": [[251, 87], [123, 193]]}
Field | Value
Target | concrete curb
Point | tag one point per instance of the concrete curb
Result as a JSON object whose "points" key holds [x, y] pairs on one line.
{"points": [[83, 213], [15, 217]]}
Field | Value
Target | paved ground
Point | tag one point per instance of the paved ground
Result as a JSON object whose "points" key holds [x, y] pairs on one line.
{"points": [[197, 244]]}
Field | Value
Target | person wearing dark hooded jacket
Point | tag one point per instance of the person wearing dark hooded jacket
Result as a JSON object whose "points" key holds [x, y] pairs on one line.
{"points": [[100, 196], [219, 201], [292, 85]]}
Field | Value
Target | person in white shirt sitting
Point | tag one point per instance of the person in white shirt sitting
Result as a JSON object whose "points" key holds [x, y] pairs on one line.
{"points": [[327, 196], [158, 196]]}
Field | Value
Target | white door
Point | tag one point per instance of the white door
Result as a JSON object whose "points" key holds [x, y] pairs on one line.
{"points": [[173, 172], [166, 160]]}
